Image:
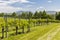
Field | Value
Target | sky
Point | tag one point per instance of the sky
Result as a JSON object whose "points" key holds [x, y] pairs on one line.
{"points": [[29, 5]]}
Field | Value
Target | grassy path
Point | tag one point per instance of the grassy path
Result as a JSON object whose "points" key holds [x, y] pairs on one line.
{"points": [[50, 34], [57, 37]]}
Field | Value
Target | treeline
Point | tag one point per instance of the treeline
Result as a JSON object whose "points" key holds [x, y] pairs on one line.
{"points": [[36, 15]]}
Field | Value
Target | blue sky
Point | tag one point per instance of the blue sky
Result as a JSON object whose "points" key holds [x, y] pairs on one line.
{"points": [[29, 5]]}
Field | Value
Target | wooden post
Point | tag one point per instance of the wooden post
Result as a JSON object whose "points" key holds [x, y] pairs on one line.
{"points": [[2, 32], [47, 21], [19, 19], [5, 18], [22, 29], [34, 24], [29, 24], [28, 28], [6, 31], [16, 30]]}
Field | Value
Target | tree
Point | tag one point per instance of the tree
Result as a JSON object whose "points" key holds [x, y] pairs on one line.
{"points": [[44, 15], [13, 14], [29, 17], [36, 15], [1, 14], [24, 15], [58, 16], [40, 14]]}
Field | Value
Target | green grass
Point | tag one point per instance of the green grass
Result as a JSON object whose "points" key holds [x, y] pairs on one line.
{"points": [[35, 33]]}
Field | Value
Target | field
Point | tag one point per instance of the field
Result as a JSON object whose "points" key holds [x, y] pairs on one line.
{"points": [[38, 31]]}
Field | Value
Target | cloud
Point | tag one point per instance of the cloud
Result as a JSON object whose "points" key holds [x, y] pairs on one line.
{"points": [[27, 6], [57, 9], [3, 4], [24, 1], [15, 5], [40, 8], [49, 1], [21, 1], [9, 9], [12, 1]]}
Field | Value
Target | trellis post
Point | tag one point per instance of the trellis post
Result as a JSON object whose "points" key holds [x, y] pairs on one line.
{"points": [[5, 18], [2, 32], [16, 30]]}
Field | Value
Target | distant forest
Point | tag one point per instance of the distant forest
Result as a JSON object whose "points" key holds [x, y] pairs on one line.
{"points": [[36, 15]]}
